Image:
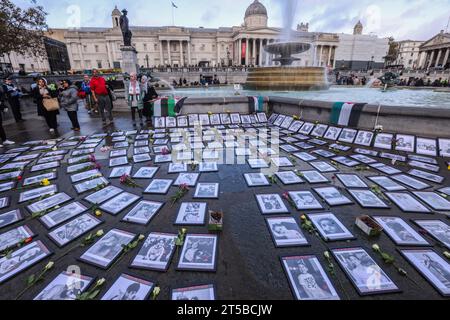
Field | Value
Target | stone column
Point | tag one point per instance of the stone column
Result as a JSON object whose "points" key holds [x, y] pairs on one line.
{"points": [[108, 48], [247, 51], [189, 52], [161, 56], [431, 59], [240, 52], [168, 51], [260, 52], [320, 57], [181, 54], [80, 50], [254, 52], [447, 53], [329, 55], [334, 57], [438, 58], [218, 54]]}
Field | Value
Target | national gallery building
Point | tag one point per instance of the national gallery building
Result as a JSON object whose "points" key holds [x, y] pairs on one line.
{"points": [[226, 46]]}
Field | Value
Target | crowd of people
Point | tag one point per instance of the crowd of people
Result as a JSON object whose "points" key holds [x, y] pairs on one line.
{"points": [[354, 80], [94, 93]]}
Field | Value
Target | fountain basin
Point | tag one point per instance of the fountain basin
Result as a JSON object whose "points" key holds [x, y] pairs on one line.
{"points": [[287, 78]]}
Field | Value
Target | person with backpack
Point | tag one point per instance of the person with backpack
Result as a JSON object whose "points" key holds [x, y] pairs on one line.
{"points": [[68, 99]]}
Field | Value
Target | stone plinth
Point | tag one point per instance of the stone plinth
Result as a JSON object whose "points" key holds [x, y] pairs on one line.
{"points": [[129, 60]]}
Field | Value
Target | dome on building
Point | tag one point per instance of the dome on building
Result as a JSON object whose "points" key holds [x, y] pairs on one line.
{"points": [[358, 28], [116, 12], [256, 8]]}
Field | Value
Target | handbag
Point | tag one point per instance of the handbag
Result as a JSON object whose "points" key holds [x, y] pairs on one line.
{"points": [[51, 104]]}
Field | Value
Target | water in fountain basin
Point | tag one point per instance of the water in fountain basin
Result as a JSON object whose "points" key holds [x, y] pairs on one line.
{"points": [[172, 89]]}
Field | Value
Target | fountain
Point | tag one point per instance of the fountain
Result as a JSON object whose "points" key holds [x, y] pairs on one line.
{"points": [[287, 77]]}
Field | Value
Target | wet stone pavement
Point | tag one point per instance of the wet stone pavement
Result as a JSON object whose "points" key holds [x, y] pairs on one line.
{"points": [[248, 263]]}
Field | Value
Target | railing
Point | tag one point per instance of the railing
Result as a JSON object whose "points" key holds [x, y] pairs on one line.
{"points": [[240, 69]]}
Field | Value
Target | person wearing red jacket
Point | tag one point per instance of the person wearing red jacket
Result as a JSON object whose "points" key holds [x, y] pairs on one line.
{"points": [[101, 96]]}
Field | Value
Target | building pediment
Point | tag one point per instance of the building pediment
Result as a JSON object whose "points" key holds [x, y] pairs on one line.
{"points": [[442, 39]]}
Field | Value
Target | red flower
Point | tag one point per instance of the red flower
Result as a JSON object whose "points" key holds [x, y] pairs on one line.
{"points": [[92, 158], [165, 151], [124, 178], [19, 178], [286, 195], [98, 166], [184, 187], [28, 240]]}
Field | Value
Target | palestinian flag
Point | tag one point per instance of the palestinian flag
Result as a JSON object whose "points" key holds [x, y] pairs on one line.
{"points": [[346, 114], [168, 107], [256, 104]]}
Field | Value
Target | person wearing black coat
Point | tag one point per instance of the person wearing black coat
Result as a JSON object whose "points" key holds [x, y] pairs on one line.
{"points": [[13, 95], [40, 93]]}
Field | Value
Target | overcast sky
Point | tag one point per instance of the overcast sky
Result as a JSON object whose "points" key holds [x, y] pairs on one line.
{"points": [[403, 19]]}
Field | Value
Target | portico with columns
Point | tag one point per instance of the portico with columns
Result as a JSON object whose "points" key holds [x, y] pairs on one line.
{"points": [[435, 53]]}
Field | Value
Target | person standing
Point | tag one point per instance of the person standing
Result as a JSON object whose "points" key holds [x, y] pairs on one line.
{"points": [[68, 99], [101, 96], [40, 93], [150, 94], [86, 88], [134, 95], [3, 140], [13, 95]]}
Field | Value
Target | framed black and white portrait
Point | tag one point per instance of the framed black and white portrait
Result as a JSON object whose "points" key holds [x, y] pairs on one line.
{"points": [[159, 186], [196, 293], [432, 266], [332, 133], [384, 141], [118, 153], [425, 166], [103, 253], [160, 122], [208, 167], [85, 175], [46, 166], [348, 135], [129, 288], [225, 118], [139, 158], [406, 202], [156, 252], [367, 199], [119, 161], [9, 218], [319, 130], [37, 193], [400, 232], [305, 200], [49, 203], [434, 200], [191, 214], [235, 118], [410, 182], [332, 196], [74, 229], [296, 125], [37, 179], [427, 147], [363, 159], [307, 128], [103, 195], [189, 179], [364, 138], [214, 119], [182, 121], [177, 168], [346, 161], [256, 179], [323, 166], [426, 176], [308, 279], [282, 162], [385, 168], [257, 163], [387, 183], [286, 232], [289, 177], [65, 287], [120, 171], [171, 122], [271, 204], [444, 148], [15, 236], [329, 227], [365, 274], [314, 177], [119, 203], [351, 181], [207, 191], [90, 185], [63, 214], [143, 212], [146, 173], [437, 229], [305, 156], [4, 202], [199, 253], [22, 259], [405, 143]]}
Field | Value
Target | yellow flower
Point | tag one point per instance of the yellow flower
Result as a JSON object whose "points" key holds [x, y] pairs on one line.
{"points": [[100, 282], [49, 265], [45, 182], [156, 291], [183, 231], [55, 149], [296, 117], [447, 254], [303, 217], [100, 233], [448, 167], [141, 237], [98, 213], [376, 248], [326, 254], [210, 113]]}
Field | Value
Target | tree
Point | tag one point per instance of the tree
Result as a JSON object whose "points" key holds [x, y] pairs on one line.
{"points": [[393, 52], [22, 30]]}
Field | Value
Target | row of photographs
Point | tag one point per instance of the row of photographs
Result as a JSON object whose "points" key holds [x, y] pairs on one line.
{"points": [[388, 141], [208, 120]]}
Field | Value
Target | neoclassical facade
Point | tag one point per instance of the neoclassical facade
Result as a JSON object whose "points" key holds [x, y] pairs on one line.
{"points": [[240, 45], [435, 52]]}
